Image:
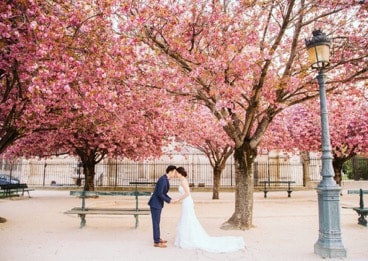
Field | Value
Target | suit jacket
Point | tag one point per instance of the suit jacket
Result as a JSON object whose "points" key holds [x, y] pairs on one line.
{"points": [[159, 195]]}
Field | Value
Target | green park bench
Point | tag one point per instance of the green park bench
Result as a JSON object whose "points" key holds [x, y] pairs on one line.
{"points": [[267, 186], [15, 189], [83, 210], [361, 210]]}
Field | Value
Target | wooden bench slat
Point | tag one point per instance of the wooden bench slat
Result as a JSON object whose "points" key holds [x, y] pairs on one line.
{"points": [[109, 193], [107, 212], [357, 191], [142, 183], [360, 209], [277, 181], [113, 209]]}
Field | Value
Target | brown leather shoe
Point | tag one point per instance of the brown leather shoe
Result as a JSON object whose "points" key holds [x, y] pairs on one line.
{"points": [[161, 245], [163, 241]]}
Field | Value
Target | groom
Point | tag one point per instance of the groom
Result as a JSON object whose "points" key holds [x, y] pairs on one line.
{"points": [[156, 203]]}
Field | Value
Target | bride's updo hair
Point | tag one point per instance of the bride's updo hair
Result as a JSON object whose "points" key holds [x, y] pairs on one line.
{"points": [[182, 171]]}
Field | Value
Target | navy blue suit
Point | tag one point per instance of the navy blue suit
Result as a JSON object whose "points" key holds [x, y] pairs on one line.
{"points": [[156, 204]]}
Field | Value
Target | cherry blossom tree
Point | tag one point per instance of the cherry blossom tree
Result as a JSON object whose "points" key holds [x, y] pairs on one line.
{"points": [[299, 128], [94, 137], [245, 61], [18, 51], [83, 102], [197, 128]]}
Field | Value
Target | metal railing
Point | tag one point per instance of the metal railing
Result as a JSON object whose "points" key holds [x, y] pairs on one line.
{"points": [[115, 173]]}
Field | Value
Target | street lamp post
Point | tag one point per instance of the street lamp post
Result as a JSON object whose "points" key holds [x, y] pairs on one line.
{"points": [[329, 243]]}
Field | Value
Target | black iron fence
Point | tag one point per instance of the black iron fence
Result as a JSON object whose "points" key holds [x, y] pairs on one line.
{"points": [[359, 168], [115, 173]]}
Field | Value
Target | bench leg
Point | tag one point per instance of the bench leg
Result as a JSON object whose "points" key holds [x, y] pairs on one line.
{"points": [[362, 220], [136, 220], [25, 190], [8, 193], [83, 220], [289, 193], [265, 193]]}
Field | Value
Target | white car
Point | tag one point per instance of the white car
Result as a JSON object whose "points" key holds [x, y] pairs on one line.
{"points": [[7, 179]]}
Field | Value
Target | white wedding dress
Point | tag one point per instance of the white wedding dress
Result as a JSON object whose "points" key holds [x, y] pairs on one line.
{"points": [[191, 235]]}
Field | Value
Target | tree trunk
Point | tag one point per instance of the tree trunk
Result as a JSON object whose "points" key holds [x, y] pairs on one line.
{"points": [[89, 158], [89, 174], [242, 217], [337, 166], [305, 158], [217, 170], [11, 134]]}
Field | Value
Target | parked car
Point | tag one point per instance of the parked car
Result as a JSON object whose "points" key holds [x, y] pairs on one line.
{"points": [[7, 179]]}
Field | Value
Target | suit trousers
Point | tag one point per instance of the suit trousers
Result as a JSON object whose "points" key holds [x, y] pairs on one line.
{"points": [[156, 218]]}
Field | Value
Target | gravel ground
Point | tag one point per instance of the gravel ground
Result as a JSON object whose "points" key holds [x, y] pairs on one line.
{"points": [[284, 229]]}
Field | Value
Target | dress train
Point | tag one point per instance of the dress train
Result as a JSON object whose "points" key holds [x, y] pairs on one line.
{"points": [[191, 235]]}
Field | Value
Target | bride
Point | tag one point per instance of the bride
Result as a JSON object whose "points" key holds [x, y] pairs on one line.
{"points": [[190, 233]]}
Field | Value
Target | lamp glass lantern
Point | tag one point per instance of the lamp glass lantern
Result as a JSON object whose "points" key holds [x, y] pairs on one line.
{"points": [[318, 48]]}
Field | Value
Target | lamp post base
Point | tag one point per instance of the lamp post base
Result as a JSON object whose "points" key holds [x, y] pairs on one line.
{"points": [[329, 243], [325, 251]]}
